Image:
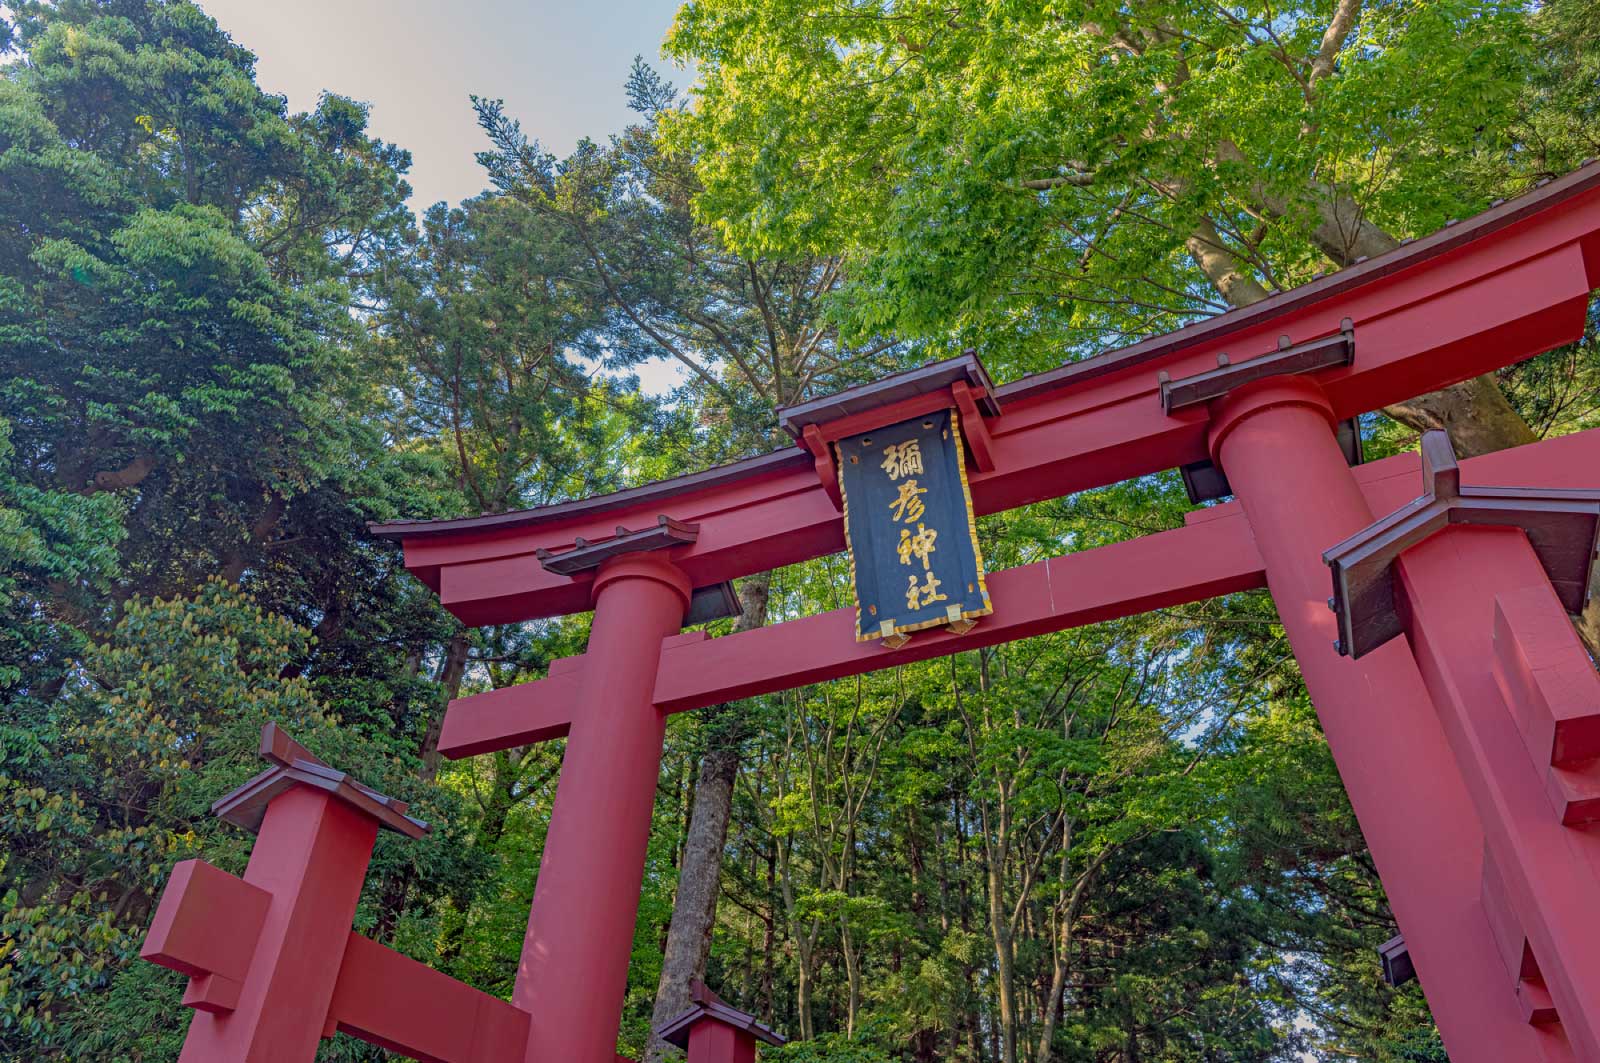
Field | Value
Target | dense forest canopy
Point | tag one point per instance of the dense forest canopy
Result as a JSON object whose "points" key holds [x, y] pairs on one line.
{"points": [[227, 343]]}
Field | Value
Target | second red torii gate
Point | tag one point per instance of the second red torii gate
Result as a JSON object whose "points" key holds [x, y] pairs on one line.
{"points": [[1490, 884], [1470, 749]]}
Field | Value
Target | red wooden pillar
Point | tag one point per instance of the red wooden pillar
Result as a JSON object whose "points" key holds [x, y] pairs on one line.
{"points": [[1480, 604], [311, 856], [1275, 442], [264, 954], [574, 971]]}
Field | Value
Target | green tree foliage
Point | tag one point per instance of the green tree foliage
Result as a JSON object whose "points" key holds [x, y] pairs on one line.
{"points": [[748, 330], [99, 802], [226, 344], [1047, 178]]}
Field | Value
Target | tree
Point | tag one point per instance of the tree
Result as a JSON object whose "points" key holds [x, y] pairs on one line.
{"points": [[179, 265], [1045, 180], [104, 795], [226, 344]]}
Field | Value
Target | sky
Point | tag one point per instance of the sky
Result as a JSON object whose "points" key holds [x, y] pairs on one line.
{"points": [[559, 65]]}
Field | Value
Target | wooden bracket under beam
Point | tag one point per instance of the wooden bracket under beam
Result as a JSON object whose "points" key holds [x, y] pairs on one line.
{"points": [[827, 468], [584, 556], [1289, 359], [1563, 525], [973, 429]]}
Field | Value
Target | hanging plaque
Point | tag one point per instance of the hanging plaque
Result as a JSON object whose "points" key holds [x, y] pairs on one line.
{"points": [[908, 522]]}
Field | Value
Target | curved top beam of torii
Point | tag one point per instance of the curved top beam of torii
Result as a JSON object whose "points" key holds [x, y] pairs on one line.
{"points": [[1478, 295]]}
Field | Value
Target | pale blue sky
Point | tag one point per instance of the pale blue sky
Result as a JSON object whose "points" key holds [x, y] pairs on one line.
{"points": [[559, 66]]}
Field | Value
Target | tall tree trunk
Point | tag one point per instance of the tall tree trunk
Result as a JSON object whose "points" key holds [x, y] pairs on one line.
{"points": [[852, 970], [769, 942], [451, 672], [1221, 267], [803, 977], [1475, 413], [1005, 961], [694, 910], [1051, 1009], [236, 560]]}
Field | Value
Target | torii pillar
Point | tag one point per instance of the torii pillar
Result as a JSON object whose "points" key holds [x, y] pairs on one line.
{"points": [[264, 953], [573, 976], [1275, 441], [1480, 580]]}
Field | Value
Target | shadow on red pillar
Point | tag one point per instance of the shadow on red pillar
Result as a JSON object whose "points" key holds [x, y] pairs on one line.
{"points": [[1275, 441], [712, 1032]]}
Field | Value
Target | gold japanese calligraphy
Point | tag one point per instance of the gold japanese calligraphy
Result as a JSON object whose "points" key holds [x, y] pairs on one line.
{"points": [[908, 506], [902, 459], [927, 594], [919, 545], [908, 516]]}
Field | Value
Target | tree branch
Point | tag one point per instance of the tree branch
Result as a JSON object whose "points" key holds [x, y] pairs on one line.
{"points": [[1344, 20], [130, 475]]}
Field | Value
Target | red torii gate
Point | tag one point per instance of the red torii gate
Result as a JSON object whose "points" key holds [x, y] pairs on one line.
{"points": [[1468, 749]]}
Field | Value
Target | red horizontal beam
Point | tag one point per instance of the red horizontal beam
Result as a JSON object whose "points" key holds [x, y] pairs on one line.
{"points": [[396, 1003], [184, 935], [1168, 568], [511, 716], [1492, 301], [1211, 555]]}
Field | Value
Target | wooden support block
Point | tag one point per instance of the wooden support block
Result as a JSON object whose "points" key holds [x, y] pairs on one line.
{"points": [[215, 993], [1547, 678], [1521, 967], [827, 467], [972, 426], [1503, 922], [1534, 999], [206, 927], [1575, 793], [1398, 969], [1552, 692]]}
